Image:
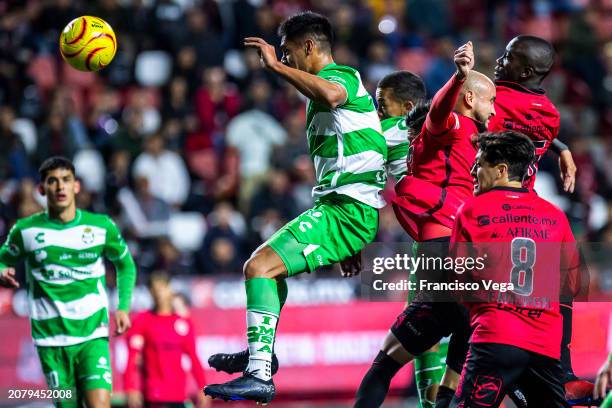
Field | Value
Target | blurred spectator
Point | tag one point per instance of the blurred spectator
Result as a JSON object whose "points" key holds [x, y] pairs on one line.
{"points": [[216, 102], [441, 67], [146, 215], [165, 171], [223, 249], [130, 136], [26, 199], [206, 42], [170, 259], [379, 62], [178, 113], [117, 177], [56, 137], [295, 145], [14, 163], [275, 194], [254, 133]]}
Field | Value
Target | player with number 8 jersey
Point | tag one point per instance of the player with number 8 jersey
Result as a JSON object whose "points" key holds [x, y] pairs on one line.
{"points": [[528, 242]]}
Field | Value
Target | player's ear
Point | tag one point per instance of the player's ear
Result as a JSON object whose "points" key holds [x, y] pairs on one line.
{"points": [[77, 186], [502, 171], [528, 72], [468, 98], [41, 189], [409, 105], [309, 46]]}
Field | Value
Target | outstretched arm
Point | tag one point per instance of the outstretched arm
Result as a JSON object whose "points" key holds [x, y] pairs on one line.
{"points": [[317, 89], [440, 117]]}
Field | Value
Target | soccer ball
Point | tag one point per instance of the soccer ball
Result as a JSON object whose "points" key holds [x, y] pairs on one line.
{"points": [[88, 43]]}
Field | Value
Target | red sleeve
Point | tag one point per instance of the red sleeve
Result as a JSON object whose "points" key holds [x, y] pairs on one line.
{"points": [[460, 232], [440, 117], [135, 340], [189, 348]]}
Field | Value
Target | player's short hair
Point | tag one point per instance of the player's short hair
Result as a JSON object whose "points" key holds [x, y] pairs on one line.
{"points": [[406, 86], [416, 118], [53, 163], [158, 276], [308, 23], [509, 147], [540, 53]]}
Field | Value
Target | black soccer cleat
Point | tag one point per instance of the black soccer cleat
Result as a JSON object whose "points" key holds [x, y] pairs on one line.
{"points": [[236, 362], [247, 387]]}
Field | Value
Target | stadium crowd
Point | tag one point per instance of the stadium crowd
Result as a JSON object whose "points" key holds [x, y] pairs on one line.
{"points": [[199, 154]]}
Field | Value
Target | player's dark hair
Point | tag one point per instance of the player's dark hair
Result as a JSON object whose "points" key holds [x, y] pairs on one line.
{"points": [[416, 118], [509, 147], [406, 86], [306, 24], [53, 163], [158, 276]]}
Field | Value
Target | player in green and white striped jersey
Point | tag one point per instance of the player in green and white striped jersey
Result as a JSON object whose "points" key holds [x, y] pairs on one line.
{"points": [[349, 152], [64, 250], [396, 94]]}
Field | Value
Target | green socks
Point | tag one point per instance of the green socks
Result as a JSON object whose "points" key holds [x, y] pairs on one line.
{"points": [[263, 309], [427, 371]]}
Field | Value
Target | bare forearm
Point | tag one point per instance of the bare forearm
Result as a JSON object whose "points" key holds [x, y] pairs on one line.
{"points": [[311, 86]]}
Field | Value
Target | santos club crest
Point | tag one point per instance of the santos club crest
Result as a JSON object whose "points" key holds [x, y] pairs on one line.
{"points": [[88, 236]]}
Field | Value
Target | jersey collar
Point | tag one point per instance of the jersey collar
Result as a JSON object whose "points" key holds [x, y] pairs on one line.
{"points": [[513, 189], [520, 88], [74, 221]]}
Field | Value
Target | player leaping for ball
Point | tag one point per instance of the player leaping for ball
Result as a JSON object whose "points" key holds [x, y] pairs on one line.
{"points": [[522, 105], [401, 107], [397, 94], [64, 250], [349, 153], [438, 182]]}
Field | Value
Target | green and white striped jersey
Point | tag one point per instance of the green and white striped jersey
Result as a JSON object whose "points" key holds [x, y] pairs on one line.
{"points": [[67, 298], [346, 143], [396, 135]]}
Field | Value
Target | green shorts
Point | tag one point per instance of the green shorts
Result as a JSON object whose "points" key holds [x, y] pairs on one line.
{"points": [[336, 228], [81, 367]]}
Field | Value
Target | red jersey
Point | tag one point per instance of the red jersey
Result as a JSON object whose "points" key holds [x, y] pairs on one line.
{"points": [[440, 159], [162, 340], [522, 236], [529, 112]]}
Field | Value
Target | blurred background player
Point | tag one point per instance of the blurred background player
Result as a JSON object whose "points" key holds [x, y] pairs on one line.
{"points": [[522, 105], [64, 250], [154, 376], [397, 94], [437, 183], [603, 383], [515, 339], [349, 152]]}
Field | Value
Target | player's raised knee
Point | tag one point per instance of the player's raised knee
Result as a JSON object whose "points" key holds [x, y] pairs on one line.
{"points": [[255, 267]]}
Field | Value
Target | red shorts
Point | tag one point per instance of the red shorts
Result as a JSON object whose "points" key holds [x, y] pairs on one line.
{"points": [[419, 201]]}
